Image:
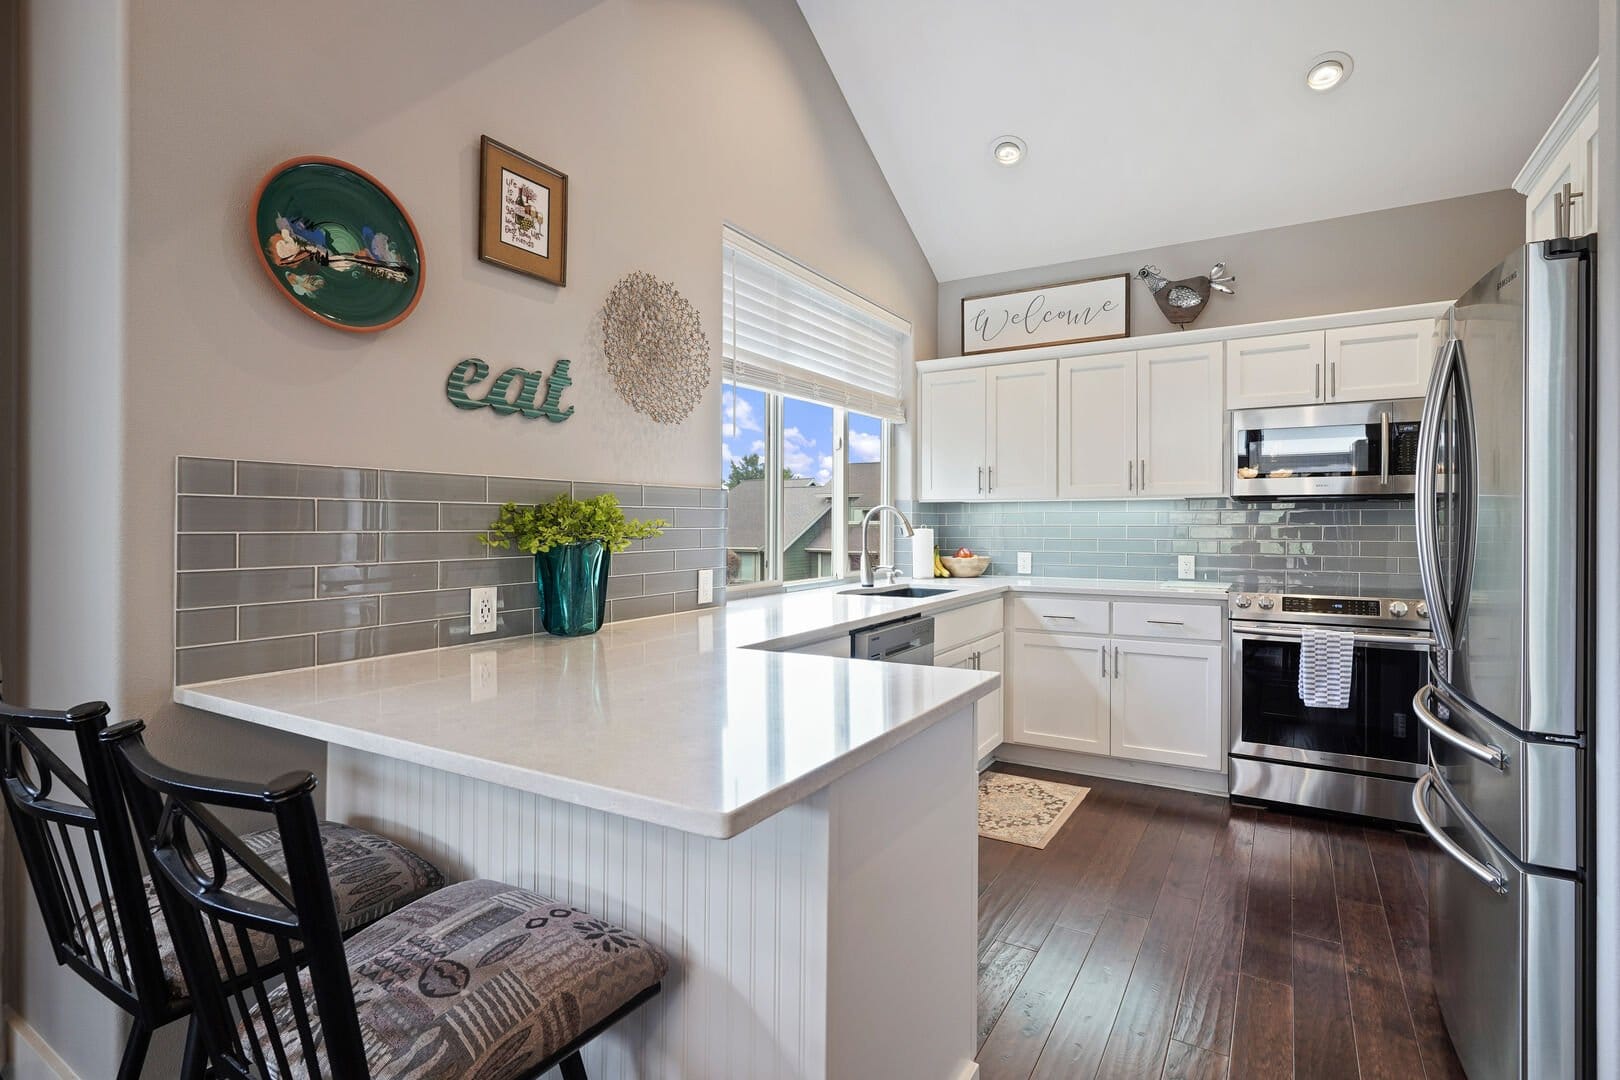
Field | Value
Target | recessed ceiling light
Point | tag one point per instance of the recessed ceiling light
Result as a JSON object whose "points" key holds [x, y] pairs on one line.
{"points": [[1328, 70], [1008, 150]]}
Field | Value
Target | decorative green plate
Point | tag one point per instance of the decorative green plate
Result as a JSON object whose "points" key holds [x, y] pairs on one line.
{"points": [[338, 244]]}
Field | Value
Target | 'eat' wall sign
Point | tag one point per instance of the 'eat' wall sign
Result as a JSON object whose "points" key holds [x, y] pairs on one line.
{"points": [[499, 396], [1061, 314]]}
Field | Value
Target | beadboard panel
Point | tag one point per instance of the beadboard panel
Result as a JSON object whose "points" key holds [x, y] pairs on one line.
{"points": [[744, 921]]}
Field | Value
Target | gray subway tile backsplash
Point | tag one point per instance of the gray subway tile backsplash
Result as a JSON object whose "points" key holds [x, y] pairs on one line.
{"points": [[1340, 545], [285, 565]]}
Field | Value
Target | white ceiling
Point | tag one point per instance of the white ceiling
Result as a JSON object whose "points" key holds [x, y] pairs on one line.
{"points": [[1152, 124]]}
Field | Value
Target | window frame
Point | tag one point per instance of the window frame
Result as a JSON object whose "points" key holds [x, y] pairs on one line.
{"points": [[839, 506]]}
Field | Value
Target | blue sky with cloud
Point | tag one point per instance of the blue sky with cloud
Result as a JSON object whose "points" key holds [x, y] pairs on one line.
{"points": [[807, 434]]}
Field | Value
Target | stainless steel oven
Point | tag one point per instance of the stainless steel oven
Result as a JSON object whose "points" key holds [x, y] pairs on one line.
{"points": [[1362, 759], [1351, 448]]}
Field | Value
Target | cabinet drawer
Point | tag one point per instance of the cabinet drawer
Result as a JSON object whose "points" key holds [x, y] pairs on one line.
{"points": [[1063, 614], [962, 625], [1199, 622]]}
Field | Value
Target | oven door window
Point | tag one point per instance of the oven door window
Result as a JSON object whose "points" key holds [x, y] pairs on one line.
{"points": [[1305, 452], [1379, 722]]}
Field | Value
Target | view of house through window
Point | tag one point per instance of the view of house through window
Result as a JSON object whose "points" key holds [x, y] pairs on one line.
{"points": [[780, 459]]}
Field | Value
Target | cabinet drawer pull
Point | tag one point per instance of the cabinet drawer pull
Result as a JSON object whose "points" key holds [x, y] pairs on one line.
{"points": [[1068, 618], [1167, 622]]}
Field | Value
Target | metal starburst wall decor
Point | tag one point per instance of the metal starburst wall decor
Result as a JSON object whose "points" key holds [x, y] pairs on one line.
{"points": [[655, 346]]}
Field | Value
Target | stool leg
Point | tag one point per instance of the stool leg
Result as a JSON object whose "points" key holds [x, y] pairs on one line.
{"points": [[140, 1037], [194, 1066], [572, 1067]]}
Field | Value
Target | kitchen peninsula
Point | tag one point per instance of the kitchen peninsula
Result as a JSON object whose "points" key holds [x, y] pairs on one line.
{"points": [[796, 832]]}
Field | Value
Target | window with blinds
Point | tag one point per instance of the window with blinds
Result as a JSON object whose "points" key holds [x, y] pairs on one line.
{"points": [[789, 330]]}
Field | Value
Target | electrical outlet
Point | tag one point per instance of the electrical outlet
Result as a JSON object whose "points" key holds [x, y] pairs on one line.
{"points": [[1186, 567], [705, 586], [1026, 562], [482, 675], [482, 614]]}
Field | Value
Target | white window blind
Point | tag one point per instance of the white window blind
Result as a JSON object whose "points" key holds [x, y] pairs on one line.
{"points": [[790, 330]]}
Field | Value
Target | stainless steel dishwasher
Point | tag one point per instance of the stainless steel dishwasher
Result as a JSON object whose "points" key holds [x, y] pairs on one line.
{"points": [[904, 641]]}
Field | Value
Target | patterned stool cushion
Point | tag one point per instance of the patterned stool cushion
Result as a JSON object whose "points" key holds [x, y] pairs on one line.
{"points": [[371, 876], [480, 980]]}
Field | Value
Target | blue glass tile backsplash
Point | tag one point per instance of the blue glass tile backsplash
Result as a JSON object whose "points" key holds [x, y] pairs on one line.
{"points": [[1362, 544]]}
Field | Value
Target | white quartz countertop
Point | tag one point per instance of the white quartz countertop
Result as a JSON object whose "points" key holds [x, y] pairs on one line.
{"points": [[699, 721]]}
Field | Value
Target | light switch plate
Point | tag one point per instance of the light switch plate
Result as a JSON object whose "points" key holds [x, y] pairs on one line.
{"points": [[482, 614], [705, 586], [1026, 562], [1186, 567]]}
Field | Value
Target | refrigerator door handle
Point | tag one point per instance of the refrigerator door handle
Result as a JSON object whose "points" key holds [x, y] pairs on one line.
{"points": [[1493, 756], [1490, 875], [1428, 462]]}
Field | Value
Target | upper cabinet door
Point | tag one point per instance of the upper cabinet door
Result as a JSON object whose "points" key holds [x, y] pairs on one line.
{"points": [[1375, 363], [951, 449], [1567, 154], [1022, 463], [1180, 421], [1097, 426], [1541, 201], [1280, 369]]}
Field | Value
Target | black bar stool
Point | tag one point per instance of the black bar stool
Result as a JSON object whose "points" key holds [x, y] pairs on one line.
{"points": [[478, 979], [99, 907]]}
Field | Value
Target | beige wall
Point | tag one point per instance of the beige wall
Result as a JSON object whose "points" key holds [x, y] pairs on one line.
{"points": [[670, 117], [1409, 255]]}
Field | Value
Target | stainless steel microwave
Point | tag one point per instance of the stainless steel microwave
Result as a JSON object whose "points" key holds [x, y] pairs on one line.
{"points": [[1365, 448]]}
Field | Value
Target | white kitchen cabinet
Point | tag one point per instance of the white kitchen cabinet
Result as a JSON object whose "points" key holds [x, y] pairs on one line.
{"points": [[1060, 696], [986, 654], [1096, 433], [1179, 421], [1277, 369], [1165, 703], [951, 434], [1021, 431], [988, 432], [1567, 154], [1385, 361]]}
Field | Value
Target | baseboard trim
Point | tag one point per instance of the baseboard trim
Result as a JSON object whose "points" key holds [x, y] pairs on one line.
{"points": [[969, 1071], [31, 1056], [1137, 772]]}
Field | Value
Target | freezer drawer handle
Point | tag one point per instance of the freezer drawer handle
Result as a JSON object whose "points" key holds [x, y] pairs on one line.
{"points": [[1487, 873], [1493, 756]]}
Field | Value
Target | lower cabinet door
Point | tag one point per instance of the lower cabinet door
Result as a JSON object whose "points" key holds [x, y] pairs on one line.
{"points": [[1060, 696], [1166, 700], [987, 713]]}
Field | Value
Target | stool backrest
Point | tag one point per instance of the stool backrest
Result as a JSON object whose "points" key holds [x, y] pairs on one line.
{"points": [[234, 944], [73, 829]]}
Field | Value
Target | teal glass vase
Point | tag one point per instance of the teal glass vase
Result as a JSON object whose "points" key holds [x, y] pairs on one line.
{"points": [[572, 582]]}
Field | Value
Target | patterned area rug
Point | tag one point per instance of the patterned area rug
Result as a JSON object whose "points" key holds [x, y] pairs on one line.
{"points": [[1024, 811]]}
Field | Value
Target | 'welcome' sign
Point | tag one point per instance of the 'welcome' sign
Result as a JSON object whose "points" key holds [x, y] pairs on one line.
{"points": [[1060, 314]]}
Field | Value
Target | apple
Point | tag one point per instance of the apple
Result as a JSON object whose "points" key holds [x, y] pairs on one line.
{"points": [[964, 553]]}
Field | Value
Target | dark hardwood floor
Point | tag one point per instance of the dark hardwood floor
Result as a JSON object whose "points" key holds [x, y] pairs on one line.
{"points": [[1167, 934]]}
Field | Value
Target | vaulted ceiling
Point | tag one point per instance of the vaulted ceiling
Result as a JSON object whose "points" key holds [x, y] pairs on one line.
{"points": [[1151, 124]]}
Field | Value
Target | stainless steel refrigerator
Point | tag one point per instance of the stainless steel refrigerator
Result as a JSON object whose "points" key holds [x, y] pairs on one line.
{"points": [[1505, 516]]}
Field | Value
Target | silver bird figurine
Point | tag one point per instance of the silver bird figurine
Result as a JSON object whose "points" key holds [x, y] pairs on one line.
{"points": [[1182, 301]]}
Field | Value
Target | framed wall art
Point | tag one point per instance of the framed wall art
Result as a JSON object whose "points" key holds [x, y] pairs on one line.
{"points": [[522, 214], [1061, 314], [337, 244]]}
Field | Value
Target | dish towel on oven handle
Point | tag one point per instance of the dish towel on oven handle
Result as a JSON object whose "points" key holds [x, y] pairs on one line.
{"points": [[1326, 658]]}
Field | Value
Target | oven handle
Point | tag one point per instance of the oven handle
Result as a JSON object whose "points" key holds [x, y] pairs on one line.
{"points": [[1490, 875], [1259, 631], [1493, 756]]}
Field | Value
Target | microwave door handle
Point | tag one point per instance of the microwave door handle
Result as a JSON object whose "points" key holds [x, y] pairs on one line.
{"points": [[1428, 461], [1383, 457]]}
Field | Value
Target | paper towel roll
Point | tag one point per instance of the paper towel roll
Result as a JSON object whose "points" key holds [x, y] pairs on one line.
{"points": [[922, 553]]}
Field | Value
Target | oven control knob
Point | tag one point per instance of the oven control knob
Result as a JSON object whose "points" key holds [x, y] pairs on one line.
{"points": [[1422, 610], [1266, 603], [1242, 602], [1398, 608]]}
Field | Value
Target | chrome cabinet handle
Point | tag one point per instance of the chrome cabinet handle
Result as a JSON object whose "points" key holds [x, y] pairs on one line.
{"points": [[1167, 622], [1116, 659], [1564, 210], [1143, 471], [1383, 473], [989, 478], [981, 479], [1069, 618], [1490, 875], [1490, 755], [1102, 655], [1333, 378], [1130, 475], [1316, 380]]}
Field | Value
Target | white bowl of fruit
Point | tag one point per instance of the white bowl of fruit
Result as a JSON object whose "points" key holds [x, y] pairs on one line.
{"points": [[964, 563]]}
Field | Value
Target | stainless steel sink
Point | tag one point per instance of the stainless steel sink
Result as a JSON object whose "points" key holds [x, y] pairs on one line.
{"points": [[901, 591]]}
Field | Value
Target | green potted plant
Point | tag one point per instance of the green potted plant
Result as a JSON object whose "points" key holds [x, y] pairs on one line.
{"points": [[572, 541]]}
